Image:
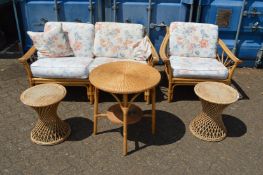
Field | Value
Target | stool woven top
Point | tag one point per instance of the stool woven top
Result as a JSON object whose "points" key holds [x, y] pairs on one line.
{"points": [[43, 95], [215, 92], [124, 77]]}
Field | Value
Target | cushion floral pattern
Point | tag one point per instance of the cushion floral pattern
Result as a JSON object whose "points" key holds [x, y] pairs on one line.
{"points": [[103, 60], [196, 67], [65, 67], [142, 51], [53, 43], [193, 39], [81, 36], [117, 40]]}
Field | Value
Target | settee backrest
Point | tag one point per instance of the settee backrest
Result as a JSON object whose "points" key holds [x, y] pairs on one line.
{"points": [[80, 36], [193, 39], [117, 40]]}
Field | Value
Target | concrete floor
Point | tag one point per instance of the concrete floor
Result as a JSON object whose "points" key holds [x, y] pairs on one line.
{"points": [[173, 150]]}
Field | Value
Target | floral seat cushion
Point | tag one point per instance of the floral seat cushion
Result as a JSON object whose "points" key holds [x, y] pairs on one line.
{"points": [[80, 35], [66, 67], [197, 67], [103, 60], [193, 39], [120, 40]]}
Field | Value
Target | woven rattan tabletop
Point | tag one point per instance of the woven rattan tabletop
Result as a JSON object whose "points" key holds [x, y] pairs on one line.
{"points": [[124, 77], [216, 92], [43, 95]]}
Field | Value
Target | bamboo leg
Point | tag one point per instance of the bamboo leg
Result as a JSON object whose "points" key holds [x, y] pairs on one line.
{"points": [[153, 112], [91, 94], [125, 112], [170, 92], [95, 111], [148, 97]]}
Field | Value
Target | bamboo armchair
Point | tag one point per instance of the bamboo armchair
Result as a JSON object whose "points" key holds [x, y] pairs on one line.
{"points": [[229, 60], [30, 56]]}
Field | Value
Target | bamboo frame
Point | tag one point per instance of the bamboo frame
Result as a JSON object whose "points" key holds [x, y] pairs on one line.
{"points": [[30, 56], [227, 58]]}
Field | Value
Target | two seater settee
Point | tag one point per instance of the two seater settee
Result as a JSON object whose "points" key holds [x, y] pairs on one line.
{"points": [[92, 45]]}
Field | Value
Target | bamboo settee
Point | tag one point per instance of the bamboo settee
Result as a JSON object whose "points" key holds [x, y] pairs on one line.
{"points": [[31, 55], [119, 29]]}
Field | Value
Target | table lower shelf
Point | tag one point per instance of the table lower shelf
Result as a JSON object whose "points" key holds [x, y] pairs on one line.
{"points": [[115, 114]]}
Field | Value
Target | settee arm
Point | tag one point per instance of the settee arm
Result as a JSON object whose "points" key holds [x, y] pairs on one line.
{"points": [[163, 49], [230, 60], [154, 58], [27, 55], [25, 59]]}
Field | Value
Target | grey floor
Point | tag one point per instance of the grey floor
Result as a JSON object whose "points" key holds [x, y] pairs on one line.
{"points": [[173, 150]]}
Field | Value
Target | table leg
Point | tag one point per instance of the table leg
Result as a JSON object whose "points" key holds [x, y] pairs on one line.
{"points": [[153, 112], [125, 113], [208, 125], [95, 118]]}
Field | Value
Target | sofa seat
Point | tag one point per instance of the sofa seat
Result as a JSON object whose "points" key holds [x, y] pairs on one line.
{"points": [[63, 67], [103, 60], [197, 67]]}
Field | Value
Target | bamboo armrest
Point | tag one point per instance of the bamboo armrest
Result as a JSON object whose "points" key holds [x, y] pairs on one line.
{"points": [[163, 48], [24, 60], [27, 55], [228, 52], [154, 57]]}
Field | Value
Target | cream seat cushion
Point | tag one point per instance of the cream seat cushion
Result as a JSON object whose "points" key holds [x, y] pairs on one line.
{"points": [[65, 67], [197, 67], [103, 60]]}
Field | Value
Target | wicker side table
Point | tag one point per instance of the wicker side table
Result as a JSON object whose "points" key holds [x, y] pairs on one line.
{"points": [[214, 97], [44, 99], [124, 78]]}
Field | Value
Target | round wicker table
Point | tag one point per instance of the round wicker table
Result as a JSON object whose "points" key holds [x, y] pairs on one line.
{"points": [[214, 97], [124, 78], [44, 99]]}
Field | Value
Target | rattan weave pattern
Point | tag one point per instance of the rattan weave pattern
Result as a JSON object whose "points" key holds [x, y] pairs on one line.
{"points": [[49, 129], [124, 77], [215, 92], [214, 97], [208, 125], [43, 95], [44, 99]]}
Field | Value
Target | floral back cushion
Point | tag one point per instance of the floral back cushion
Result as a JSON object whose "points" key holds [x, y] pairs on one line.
{"points": [[53, 43], [193, 39], [117, 40], [81, 36]]}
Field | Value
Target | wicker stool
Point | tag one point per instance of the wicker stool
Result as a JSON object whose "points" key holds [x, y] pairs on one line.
{"points": [[44, 99], [124, 78], [214, 97]]}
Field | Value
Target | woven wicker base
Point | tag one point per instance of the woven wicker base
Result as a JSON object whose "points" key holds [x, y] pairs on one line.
{"points": [[205, 128], [57, 134], [49, 129], [208, 125], [115, 114]]}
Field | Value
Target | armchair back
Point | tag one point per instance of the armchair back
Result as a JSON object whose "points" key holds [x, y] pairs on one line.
{"points": [[193, 40]]}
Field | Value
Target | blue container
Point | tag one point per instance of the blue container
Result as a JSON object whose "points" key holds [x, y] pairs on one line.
{"points": [[155, 15], [152, 14], [36, 13], [226, 14]]}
